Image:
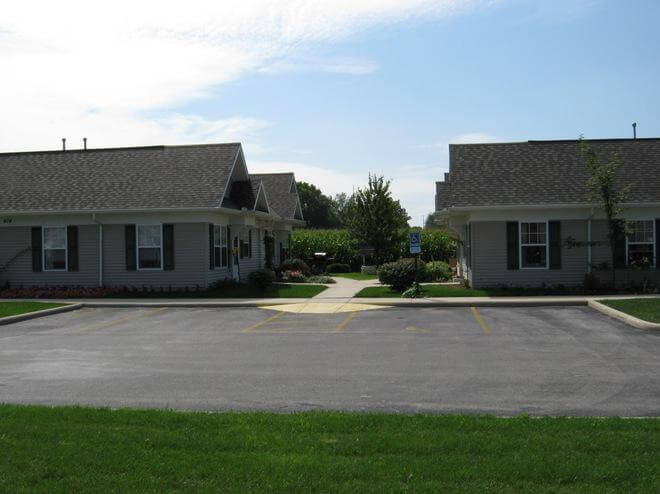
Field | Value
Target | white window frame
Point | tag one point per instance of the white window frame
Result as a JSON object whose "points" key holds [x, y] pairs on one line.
{"points": [[653, 249], [547, 245], [220, 245], [137, 247], [66, 248]]}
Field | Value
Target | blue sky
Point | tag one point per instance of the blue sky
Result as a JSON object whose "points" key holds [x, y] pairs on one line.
{"points": [[353, 88]]}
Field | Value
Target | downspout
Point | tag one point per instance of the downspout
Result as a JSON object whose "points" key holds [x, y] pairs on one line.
{"points": [[100, 249], [589, 246]]}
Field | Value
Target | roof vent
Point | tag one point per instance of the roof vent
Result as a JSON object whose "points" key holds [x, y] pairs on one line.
{"points": [[84, 144], [63, 144], [634, 130]]}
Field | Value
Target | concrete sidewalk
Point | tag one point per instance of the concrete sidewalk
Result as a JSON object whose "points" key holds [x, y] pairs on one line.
{"points": [[344, 289]]}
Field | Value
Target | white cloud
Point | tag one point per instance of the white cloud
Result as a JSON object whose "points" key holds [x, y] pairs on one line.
{"points": [[104, 69]]}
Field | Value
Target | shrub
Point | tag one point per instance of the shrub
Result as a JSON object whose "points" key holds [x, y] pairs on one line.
{"points": [[414, 291], [261, 278], [338, 268], [438, 271], [401, 274], [340, 245], [295, 265]]}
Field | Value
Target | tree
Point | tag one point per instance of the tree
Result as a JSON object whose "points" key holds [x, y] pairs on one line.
{"points": [[435, 221], [376, 219], [317, 208], [603, 188]]}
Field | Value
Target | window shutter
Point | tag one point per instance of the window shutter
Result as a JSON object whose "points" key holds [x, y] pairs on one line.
{"points": [[620, 249], [211, 248], [512, 258], [129, 238], [657, 243], [554, 236], [36, 249], [168, 247], [72, 247], [230, 245], [250, 244]]}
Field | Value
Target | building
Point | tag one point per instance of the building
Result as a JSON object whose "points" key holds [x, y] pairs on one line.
{"points": [[157, 216], [523, 216]]}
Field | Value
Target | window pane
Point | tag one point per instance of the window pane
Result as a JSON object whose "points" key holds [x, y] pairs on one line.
{"points": [[55, 238], [217, 235], [55, 259], [534, 257], [148, 235], [640, 231], [149, 257], [223, 237], [640, 255], [533, 233]]}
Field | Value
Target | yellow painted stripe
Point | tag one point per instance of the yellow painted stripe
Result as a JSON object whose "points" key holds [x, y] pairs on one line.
{"points": [[480, 320], [254, 327], [124, 319], [340, 327]]}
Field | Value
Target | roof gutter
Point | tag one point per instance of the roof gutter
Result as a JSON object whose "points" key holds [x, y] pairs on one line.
{"points": [[460, 209]]}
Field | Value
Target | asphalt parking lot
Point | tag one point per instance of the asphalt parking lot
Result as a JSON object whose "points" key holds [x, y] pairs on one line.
{"points": [[539, 360]]}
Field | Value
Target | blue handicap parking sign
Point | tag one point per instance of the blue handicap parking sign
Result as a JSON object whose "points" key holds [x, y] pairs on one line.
{"points": [[415, 242]]}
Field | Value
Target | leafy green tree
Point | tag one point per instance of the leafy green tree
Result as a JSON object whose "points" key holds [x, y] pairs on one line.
{"points": [[318, 209], [602, 187], [377, 219]]}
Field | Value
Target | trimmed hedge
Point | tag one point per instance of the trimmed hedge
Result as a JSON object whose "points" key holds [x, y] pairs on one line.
{"points": [[338, 268], [296, 265], [400, 274], [261, 278], [438, 271]]}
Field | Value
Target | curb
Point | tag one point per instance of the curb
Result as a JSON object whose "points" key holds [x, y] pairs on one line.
{"points": [[472, 303], [39, 313], [181, 305], [622, 316]]}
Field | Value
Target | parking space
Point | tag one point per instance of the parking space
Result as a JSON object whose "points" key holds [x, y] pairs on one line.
{"points": [[548, 360]]}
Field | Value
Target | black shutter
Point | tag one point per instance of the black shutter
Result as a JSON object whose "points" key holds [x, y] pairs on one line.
{"points": [[657, 243], [36, 249], [555, 244], [230, 244], [211, 247], [512, 258], [620, 247], [72, 248], [129, 237], [168, 244]]}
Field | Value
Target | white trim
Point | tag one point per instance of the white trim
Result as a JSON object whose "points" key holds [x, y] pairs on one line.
{"points": [[540, 206], [220, 246], [66, 249], [653, 248], [137, 247], [547, 245]]}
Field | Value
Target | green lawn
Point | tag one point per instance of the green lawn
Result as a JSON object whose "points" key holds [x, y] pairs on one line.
{"points": [[429, 291], [647, 309], [69, 449], [277, 290], [15, 308], [356, 276]]}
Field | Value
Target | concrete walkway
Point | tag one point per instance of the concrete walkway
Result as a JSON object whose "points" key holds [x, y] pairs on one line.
{"points": [[345, 288]]}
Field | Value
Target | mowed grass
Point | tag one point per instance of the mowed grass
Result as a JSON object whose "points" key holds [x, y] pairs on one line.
{"points": [[16, 308], [70, 449], [356, 276], [244, 290], [647, 309], [428, 290]]}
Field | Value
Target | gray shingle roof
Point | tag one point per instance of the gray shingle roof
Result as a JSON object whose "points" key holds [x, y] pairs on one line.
{"points": [[543, 172], [278, 191], [116, 179]]}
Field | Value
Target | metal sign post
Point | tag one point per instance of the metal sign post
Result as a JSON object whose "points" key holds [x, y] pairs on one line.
{"points": [[416, 249]]}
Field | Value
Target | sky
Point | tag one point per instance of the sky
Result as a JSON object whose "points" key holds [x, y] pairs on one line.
{"points": [[334, 89]]}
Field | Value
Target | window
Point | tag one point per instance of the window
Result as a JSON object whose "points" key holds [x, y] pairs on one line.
{"points": [[220, 246], [55, 254], [534, 245], [246, 243], [149, 246], [640, 243]]}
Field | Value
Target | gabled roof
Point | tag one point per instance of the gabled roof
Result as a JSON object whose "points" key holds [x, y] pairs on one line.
{"points": [[154, 177], [280, 198], [543, 172]]}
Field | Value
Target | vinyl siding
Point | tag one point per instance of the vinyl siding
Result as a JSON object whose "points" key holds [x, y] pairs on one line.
{"points": [[19, 273], [489, 260], [191, 260], [247, 265]]}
